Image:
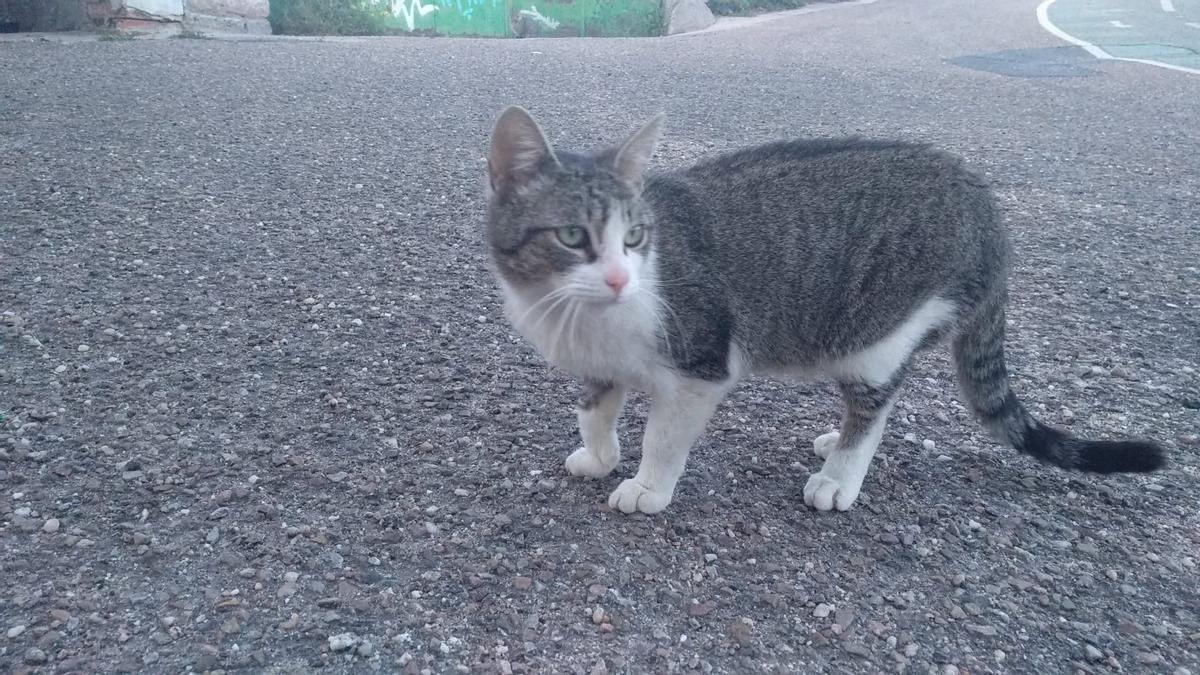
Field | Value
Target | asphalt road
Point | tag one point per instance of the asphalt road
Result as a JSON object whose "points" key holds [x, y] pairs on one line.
{"points": [[262, 413]]}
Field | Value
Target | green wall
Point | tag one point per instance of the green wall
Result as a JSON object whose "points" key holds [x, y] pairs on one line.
{"points": [[528, 18]]}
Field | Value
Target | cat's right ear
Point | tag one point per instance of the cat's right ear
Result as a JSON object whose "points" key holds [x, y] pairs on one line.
{"points": [[519, 149]]}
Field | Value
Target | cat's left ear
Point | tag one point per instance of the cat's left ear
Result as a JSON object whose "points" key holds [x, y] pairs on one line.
{"points": [[631, 159]]}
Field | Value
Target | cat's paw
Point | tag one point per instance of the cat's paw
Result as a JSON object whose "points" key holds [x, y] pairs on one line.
{"points": [[825, 443], [827, 491], [632, 496], [584, 462]]}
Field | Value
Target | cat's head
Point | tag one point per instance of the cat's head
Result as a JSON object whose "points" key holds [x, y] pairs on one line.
{"points": [[573, 225]]}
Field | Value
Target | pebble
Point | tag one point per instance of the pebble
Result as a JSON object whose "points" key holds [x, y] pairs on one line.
{"points": [[342, 642], [1093, 654], [291, 577], [35, 656], [16, 631], [83, 348], [951, 669], [212, 536], [523, 583], [61, 369], [1147, 658], [366, 650], [910, 649], [822, 610], [60, 615], [928, 444], [51, 526]]}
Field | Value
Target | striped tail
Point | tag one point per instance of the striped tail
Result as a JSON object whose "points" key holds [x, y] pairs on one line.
{"points": [[979, 358]]}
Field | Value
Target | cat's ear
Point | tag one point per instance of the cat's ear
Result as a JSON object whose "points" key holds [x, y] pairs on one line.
{"points": [[631, 159], [519, 148]]}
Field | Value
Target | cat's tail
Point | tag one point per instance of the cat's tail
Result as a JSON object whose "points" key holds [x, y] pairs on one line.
{"points": [[983, 377]]}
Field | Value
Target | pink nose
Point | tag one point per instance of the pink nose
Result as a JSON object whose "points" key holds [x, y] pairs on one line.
{"points": [[616, 278]]}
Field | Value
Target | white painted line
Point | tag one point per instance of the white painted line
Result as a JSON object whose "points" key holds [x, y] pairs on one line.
{"points": [[1120, 24], [1043, 12], [1167, 5]]}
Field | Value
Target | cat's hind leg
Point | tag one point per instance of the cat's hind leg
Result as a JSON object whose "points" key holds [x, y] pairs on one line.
{"points": [[598, 413], [678, 416], [848, 453]]}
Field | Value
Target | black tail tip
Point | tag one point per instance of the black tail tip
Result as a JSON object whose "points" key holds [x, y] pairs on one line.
{"points": [[1057, 447], [1120, 456]]}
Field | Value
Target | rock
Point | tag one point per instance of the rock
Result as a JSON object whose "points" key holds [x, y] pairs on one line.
{"points": [[685, 16], [291, 577], [599, 668], [342, 642], [928, 444], [822, 610], [366, 650], [51, 526], [989, 631], [60, 615], [598, 615], [212, 536], [83, 348], [523, 583], [35, 656], [1092, 653], [1148, 658], [15, 631]]}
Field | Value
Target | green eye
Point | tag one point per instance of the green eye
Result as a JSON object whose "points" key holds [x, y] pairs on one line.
{"points": [[635, 236], [572, 236]]}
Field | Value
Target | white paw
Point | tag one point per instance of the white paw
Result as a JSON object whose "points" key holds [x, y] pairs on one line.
{"points": [[825, 491], [584, 462], [632, 496], [825, 443]]}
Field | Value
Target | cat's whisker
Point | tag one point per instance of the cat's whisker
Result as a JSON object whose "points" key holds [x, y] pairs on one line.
{"points": [[674, 317], [556, 293]]}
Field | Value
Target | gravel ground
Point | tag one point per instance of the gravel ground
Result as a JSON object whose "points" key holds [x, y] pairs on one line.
{"points": [[262, 413]]}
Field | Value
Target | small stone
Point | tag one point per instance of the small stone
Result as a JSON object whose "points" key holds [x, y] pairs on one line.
{"points": [[822, 610], [1182, 671], [35, 656], [16, 631], [857, 649], [523, 583], [83, 348], [1092, 653], [51, 526], [989, 631], [599, 668], [212, 536], [60, 369], [366, 650], [291, 623], [60, 615], [910, 649], [1147, 658], [950, 669], [598, 615], [928, 444], [342, 642], [700, 608], [291, 577]]}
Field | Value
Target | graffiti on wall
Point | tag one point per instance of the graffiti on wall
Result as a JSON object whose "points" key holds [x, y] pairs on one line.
{"points": [[409, 10], [527, 18]]}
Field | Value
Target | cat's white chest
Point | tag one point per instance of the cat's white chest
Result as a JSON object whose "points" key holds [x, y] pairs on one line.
{"points": [[614, 343]]}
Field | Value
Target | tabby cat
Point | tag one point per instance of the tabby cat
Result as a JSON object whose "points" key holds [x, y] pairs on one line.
{"points": [[837, 258]]}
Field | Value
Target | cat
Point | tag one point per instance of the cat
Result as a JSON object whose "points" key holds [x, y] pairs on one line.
{"points": [[838, 258]]}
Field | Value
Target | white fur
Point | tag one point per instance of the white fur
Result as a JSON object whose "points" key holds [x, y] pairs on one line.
{"points": [[601, 448], [879, 362]]}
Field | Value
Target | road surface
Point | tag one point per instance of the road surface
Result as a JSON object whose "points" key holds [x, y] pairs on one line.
{"points": [[262, 412]]}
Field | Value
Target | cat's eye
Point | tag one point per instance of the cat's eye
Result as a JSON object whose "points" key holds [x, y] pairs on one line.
{"points": [[572, 236], [635, 236]]}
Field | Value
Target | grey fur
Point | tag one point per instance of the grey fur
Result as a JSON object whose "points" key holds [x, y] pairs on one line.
{"points": [[803, 252]]}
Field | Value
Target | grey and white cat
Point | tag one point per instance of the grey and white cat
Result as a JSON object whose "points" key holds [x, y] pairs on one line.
{"points": [[837, 258]]}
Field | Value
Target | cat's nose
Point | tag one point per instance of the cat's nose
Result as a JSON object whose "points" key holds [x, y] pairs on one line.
{"points": [[616, 278]]}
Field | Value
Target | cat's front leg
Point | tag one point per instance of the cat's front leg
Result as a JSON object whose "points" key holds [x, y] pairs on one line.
{"points": [[678, 415], [598, 413]]}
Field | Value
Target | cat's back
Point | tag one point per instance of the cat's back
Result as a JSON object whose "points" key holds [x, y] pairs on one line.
{"points": [[834, 163]]}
